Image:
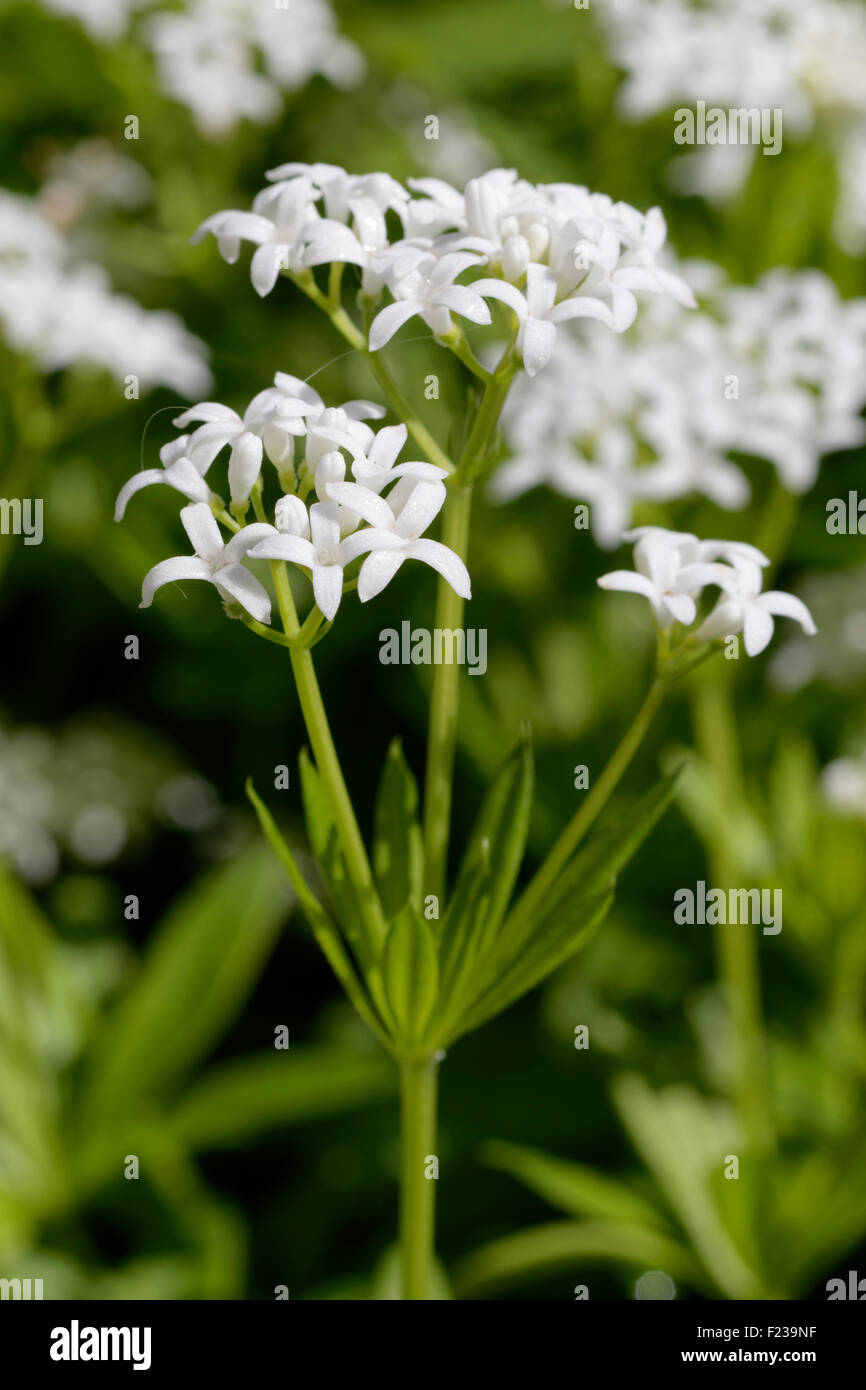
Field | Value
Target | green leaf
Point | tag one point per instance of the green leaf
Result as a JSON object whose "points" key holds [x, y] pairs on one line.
{"points": [[196, 974], [565, 1244], [328, 853], [489, 868], [683, 1139], [398, 845], [242, 1098], [574, 1188], [410, 970], [596, 865], [326, 934], [506, 979]]}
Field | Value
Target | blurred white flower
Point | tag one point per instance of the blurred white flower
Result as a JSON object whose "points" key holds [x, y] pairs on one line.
{"points": [[61, 313], [776, 371], [805, 57]]}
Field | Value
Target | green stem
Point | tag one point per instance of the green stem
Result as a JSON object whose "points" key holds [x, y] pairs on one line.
{"points": [[581, 821], [442, 726], [736, 943], [417, 1192], [397, 401], [442, 723], [328, 764]]}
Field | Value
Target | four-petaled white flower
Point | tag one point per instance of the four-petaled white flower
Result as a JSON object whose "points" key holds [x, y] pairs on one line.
{"points": [[395, 533], [214, 561], [424, 287], [538, 312], [325, 555], [743, 608], [662, 577]]}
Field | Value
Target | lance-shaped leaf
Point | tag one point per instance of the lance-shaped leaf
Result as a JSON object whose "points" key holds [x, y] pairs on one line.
{"points": [[199, 968], [410, 969], [505, 981], [572, 1187], [398, 845], [595, 866], [331, 862], [488, 870], [531, 944], [250, 1095], [323, 928]]}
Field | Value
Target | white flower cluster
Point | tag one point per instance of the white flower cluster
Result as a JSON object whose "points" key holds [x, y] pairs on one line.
{"points": [[228, 60], [776, 371], [553, 251], [380, 513], [673, 568], [806, 57], [61, 313], [87, 790]]}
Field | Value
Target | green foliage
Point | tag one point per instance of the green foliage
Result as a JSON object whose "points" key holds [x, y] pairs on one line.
{"points": [[432, 984]]}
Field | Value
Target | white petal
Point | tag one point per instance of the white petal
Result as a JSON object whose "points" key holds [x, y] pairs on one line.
{"points": [[788, 606], [582, 307], [242, 586], [389, 320], [757, 628], [265, 267], [422, 506], [245, 465], [328, 588], [465, 301], [208, 411], [378, 570], [508, 294], [171, 571], [682, 607], [537, 341], [146, 478], [278, 547], [725, 620], [200, 525], [243, 541], [445, 562], [364, 502]]}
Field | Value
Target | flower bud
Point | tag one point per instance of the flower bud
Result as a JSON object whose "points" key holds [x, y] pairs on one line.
{"points": [[331, 468], [515, 258], [290, 517]]}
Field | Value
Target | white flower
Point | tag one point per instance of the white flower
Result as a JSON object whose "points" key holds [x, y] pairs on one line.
{"points": [[325, 555], [395, 533], [427, 290], [231, 59], [281, 214], [178, 471], [62, 313], [378, 467], [743, 608], [215, 562], [662, 577], [223, 426], [538, 312]]}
